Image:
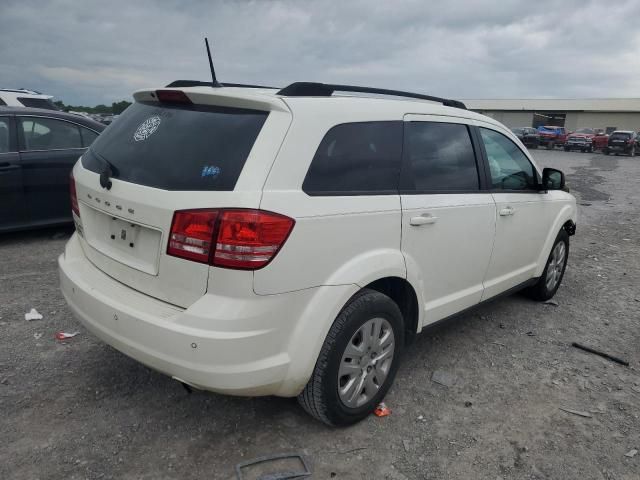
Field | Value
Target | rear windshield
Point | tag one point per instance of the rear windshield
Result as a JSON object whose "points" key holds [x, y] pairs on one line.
{"points": [[38, 103], [620, 136], [177, 147]]}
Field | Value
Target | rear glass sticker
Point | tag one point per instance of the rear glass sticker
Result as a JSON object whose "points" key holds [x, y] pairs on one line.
{"points": [[210, 171], [146, 128]]}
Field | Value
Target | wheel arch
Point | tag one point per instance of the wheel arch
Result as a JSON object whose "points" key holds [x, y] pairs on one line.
{"points": [[404, 295]]}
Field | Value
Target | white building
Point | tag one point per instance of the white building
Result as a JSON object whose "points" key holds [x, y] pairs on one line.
{"points": [[606, 113]]}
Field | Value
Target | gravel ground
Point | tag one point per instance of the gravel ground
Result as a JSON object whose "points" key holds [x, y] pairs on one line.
{"points": [[80, 409]]}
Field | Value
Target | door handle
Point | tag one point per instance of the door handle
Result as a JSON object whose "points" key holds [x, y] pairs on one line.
{"points": [[425, 219], [507, 211]]}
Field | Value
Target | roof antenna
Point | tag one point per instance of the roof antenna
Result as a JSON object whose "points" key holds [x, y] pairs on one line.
{"points": [[214, 82]]}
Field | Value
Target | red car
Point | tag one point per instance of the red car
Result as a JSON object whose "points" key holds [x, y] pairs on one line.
{"points": [[550, 136], [586, 140]]}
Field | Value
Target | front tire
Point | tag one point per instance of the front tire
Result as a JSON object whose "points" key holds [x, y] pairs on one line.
{"points": [[548, 284], [358, 360]]}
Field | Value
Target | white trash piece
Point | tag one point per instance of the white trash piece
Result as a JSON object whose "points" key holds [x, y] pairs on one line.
{"points": [[33, 315]]}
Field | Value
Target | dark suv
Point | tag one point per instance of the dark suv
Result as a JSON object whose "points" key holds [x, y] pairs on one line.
{"points": [[622, 141], [529, 136]]}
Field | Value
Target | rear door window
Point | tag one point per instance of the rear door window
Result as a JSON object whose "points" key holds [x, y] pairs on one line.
{"points": [[49, 134], [439, 157], [182, 147], [357, 159]]}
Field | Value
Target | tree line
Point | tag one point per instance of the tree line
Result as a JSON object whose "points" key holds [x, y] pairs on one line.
{"points": [[116, 108]]}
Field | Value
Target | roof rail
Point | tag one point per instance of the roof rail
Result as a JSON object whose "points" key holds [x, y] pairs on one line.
{"points": [[313, 89], [197, 83]]}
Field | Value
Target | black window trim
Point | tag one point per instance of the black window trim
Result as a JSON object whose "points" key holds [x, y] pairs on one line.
{"points": [[487, 170], [482, 181], [13, 136], [22, 143], [355, 193]]}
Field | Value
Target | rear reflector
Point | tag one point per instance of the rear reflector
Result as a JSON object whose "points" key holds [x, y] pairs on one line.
{"points": [[245, 239], [74, 196], [173, 96]]}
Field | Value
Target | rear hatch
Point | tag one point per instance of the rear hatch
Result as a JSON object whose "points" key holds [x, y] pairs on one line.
{"points": [[619, 138], [202, 148]]}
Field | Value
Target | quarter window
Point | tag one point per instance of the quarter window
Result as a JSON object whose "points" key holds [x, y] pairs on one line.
{"points": [[357, 159], [49, 134], [509, 166], [88, 136], [439, 157]]}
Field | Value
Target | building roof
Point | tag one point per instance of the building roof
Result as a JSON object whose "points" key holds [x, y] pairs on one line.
{"points": [[557, 104]]}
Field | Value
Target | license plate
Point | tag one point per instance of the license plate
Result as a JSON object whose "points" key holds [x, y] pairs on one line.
{"points": [[132, 244]]}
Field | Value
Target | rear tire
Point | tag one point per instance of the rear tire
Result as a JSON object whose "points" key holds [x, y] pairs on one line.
{"points": [[550, 280], [566, 149], [605, 151], [347, 382], [550, 146]]}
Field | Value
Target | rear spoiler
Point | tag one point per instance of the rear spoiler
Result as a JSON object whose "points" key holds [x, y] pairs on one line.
{"points": [[221, 97]]}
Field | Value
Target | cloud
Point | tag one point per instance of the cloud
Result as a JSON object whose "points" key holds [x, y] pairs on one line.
{"points": [[98, 52]]}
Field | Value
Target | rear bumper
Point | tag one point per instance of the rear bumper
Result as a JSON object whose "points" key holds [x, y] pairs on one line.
{"points": [[619, 148], [238, 346]]}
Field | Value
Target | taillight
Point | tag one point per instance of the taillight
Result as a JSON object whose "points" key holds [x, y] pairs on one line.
{"points": [[244, 239], [73, 195], [249, 239], [191, 234]]}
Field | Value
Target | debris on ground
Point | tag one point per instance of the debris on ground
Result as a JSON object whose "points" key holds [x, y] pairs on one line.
{"points": [[406, 445], [443, 378], [600, 353], [274, 467], [382, 410], [576, 412], [530, 334], [65, 335], [499, 344], [37, 336], [551, 302], [33, 315], [631, 453]]}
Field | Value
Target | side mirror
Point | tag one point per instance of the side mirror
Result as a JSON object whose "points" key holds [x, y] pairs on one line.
{"points": [[552, 179]]}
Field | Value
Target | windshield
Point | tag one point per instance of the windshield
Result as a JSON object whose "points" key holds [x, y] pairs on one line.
{"points": [[186, 147], [585, 130]]}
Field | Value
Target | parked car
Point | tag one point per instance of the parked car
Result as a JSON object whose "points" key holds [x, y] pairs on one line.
{"points": [[38, 148], [292, 243], [550, 136], [622, 141], [586, 140], [529, 136], [26, 98]]}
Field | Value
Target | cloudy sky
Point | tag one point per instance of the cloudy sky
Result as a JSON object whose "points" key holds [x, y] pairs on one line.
{"points": [[89, 52]]}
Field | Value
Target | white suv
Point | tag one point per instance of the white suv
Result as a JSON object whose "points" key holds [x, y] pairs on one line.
{"points": [[251, 241], [26, 98]]}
